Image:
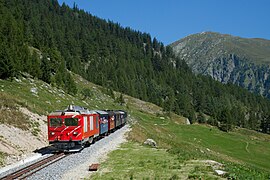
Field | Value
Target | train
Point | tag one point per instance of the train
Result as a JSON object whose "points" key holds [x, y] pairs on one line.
{"points": [[75, 127]]}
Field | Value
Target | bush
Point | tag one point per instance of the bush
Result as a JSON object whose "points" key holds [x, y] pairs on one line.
{"points": [[87, 93]]}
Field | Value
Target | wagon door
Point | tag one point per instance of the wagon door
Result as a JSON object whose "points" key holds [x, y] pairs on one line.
{"points": [[91, 123]]}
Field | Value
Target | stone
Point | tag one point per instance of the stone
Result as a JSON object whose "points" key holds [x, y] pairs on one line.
{"points": [[150, 142], [34, 90], [220, 172]]}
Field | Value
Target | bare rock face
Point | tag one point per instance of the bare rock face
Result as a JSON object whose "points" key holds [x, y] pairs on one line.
{"points": [[150, 142], [228, 59]]}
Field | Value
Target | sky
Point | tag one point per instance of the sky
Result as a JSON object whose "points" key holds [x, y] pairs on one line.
{"points": [[171, 20]]}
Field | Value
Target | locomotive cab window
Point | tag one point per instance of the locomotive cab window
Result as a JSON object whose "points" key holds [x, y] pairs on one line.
{"points": [[55, 122], [71, 122]]}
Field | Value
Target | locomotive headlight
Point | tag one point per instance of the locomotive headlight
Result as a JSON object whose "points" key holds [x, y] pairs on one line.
{"points": [[52, 133], [75, 133]]}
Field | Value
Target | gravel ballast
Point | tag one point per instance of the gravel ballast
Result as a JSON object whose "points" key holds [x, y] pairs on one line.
{"points": [[76, 166]]}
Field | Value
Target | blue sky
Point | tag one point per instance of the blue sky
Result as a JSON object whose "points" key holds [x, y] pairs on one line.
{"points": [[171, 20]]}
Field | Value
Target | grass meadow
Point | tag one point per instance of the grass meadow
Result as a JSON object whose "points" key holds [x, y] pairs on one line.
{"points": [[183, 149]]}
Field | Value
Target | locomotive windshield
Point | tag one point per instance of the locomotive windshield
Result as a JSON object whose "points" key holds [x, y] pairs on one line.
{"points": [[55, 122], [71, 122]]}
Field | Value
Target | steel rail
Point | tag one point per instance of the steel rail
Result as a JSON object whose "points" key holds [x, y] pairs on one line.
{"points": [[33, 168]]}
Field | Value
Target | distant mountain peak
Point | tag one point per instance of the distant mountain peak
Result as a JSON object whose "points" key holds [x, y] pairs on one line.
{"points": [[227, 58]]}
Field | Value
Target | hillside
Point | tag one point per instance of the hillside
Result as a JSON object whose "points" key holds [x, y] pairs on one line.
{"points": [[25, 102], [48, 41], [228, 59], [183, 150]]}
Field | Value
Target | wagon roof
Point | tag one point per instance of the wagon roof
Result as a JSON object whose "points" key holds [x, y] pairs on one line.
{"points": [[101, 112], [119, 111]]}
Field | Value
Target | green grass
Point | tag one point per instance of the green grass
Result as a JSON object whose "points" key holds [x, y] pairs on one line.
{"points": [[237, 146], [133, 161], [10, 114]]}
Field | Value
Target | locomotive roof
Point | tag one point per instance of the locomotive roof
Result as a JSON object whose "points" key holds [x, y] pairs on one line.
{"points": [[92, 112], [73, 109]]}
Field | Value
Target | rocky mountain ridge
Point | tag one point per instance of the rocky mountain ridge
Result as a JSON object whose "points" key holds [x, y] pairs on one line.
{"points": [[228, 59]]}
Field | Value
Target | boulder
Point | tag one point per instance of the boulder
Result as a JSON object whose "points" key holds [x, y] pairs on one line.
{"points": [[34, 90], [150, 142], [220, 172]]}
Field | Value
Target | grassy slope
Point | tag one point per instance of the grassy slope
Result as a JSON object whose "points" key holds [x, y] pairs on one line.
{"points": [[245, 153], [51, 98]]}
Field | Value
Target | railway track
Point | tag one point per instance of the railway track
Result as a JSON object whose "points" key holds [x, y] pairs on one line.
{"points": [[31, 169]]}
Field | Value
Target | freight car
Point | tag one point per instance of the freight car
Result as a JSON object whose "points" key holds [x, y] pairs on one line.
{"points": [[119, 117], [75, 127]]}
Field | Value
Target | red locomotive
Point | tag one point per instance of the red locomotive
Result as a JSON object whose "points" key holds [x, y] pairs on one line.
{"points": [[75, 127]]}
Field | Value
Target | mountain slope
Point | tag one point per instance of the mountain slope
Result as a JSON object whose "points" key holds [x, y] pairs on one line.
{"points": [[48, 41], [228, 59]]}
